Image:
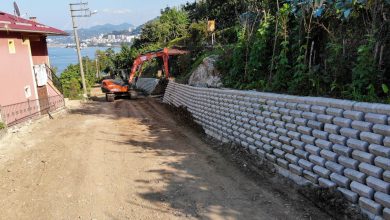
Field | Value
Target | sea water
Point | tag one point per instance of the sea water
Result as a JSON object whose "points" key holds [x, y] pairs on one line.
{"points": [[62, 57]]}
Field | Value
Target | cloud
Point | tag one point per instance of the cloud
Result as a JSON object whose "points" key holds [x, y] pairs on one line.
{"points": [[116, 11]]}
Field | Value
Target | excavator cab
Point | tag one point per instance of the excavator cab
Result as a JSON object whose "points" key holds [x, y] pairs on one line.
{"points": [[126, 87]]}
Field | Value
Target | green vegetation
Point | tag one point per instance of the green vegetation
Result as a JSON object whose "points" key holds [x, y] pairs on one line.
{"points": [[2, 125], [331, 48]]}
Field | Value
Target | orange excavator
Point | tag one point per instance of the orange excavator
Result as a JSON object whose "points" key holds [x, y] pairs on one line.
{"points": [[113, 88]]}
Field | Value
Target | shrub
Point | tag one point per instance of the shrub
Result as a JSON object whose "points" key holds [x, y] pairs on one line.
{"points": [[2, 125]]}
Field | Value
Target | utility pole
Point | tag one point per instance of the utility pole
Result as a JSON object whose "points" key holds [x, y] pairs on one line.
{"points": [[78, 10]]}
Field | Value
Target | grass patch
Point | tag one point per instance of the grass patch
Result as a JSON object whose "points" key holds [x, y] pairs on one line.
{"points": [[2, 126]]}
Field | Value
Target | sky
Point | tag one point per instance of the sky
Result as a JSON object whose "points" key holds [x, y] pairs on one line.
{"points": [[56, 12]]}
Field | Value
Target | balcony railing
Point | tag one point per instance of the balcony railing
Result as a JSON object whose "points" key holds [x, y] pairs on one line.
{"points": [[20, 112]]}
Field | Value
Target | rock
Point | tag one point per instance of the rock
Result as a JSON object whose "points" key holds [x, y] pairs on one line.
{"points": [[206, 74]]}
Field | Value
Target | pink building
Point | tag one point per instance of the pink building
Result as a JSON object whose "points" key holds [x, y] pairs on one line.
{"points": [[25, 75]]}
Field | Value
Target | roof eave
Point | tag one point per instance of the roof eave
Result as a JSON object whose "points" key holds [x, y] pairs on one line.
{"points": [[46, 33]]}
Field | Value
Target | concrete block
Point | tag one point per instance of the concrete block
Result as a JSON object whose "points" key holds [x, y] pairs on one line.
{"points": [[276, 116], [386, 213], [266, 114], [261, 153], [372, 138], [378, 184], [298, 144], [354, 115], [305, 130], [284, 140], [296, 113], [348, 162], [269, 121], [266, 140], [315, 125], [270, 157], [250, 140], [288, 149], [291, 127], [370, 206], [296, 169], [301, 154], [349, 195], [332, 129], [335, 112], [342, 150], [274, 109], [312, 177], [376, 118], [309, 115], [318, 109], [284, 111], [379, 150], [294, 135], [308, 139], [252, 149], [362, 190], [264, 133], [279, 153], [257, 136], [259, 144], [287, 119], [280, 124], [292, 106], [271, 128], [283, 163], [301, 121], [342, 122], [362, 126], [329, 155], [386, 141], [253, 122], [386, 176], [317, 160], [325, 183], [244, 144], [273, 136], [383, 199], [323, 172], [260, 118], [349, 132], [371, 170], [340, 180], [291, 158], [304, 107], [364, 107], [328, 119], [321, 134], [382, 162], [268, 148], [363, 156], [382, 129], [306, 164], [338, 139], [357, 144], [313, 149], [282, 131], [271, 102], [323, 144]]}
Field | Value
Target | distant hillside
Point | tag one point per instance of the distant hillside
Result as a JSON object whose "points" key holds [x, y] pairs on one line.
{"points": [[85, 33], [103, 29]]}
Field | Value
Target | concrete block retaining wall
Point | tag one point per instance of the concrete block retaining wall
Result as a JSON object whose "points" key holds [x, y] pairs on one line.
{"points": [[327, 142], [148, 85]]}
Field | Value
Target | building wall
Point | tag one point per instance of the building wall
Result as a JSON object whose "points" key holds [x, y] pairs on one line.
{"points": [[39, 50], [330, 143], [16, 70]]}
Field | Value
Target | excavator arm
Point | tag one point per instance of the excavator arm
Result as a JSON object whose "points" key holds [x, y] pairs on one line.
{"points": [[164, 54]]}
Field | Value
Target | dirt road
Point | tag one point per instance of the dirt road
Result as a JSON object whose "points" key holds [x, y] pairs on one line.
{"points": [[130, 160]]}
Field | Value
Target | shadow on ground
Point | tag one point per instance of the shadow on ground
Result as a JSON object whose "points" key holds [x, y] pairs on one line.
{"points": [[198, 181]]}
